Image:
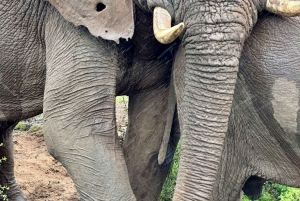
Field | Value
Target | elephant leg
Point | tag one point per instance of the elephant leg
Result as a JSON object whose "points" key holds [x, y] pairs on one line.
{"points": [[79, 111], [147, 121], [7, 177]]}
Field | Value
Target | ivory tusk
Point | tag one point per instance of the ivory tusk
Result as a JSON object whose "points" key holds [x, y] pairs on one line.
{"points": [[163, 31], [286, 8]]}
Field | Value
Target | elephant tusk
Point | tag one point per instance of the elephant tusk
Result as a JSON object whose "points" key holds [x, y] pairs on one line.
{"points": [[286, 8], [163, 31]]}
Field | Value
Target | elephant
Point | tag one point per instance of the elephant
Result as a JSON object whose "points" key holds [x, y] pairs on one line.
{"points": [[263, 140], [55, 66], [33, 38]]}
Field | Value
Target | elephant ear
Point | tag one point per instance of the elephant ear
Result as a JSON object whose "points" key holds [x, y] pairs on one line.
{"points": [[109, 19]]}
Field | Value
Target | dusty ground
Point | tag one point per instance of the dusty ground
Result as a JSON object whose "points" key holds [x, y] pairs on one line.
{"points": [[39, 175]]}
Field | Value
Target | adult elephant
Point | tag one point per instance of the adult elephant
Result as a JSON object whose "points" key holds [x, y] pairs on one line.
{"points": [[263, 141], [80, 86], [205, 78], [47, 63]]}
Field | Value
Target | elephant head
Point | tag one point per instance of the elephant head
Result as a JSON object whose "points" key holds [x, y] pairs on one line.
{"points": [[207, 65]]}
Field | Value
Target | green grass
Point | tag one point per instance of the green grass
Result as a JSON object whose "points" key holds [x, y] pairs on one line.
{"points": [[21, 126], [275, 192], [168, 187]]}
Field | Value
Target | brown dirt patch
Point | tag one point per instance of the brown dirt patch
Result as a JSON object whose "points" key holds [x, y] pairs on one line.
{"points": [[38, 174]]}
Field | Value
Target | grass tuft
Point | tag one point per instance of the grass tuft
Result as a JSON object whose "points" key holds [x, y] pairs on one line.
{"points": [[168, 187]]}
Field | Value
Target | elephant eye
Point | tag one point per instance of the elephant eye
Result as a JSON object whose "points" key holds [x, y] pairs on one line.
{"points": [[100, 7]]}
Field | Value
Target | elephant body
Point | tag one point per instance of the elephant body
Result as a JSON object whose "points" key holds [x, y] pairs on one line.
{"points": [[230, 106], [263, 138], [140, 68], [262, 141]]}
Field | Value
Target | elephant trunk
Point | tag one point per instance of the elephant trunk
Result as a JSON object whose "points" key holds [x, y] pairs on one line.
{"points": [[211, 48]]}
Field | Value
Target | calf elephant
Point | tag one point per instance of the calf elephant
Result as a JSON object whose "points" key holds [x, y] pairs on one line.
{"points": [[76, 76]]}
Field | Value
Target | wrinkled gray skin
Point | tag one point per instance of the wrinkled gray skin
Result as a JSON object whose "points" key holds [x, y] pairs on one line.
{"points": [[47, 63], [205, 76], [83, 75], [263, 141], [262, 138]]}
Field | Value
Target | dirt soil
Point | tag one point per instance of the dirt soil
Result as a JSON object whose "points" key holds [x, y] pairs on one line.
{"points": [[39, 175]]}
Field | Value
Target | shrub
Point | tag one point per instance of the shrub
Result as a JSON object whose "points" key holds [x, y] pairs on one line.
{"points": [[3, 158], [274, 192], [36, 130], [3, 196], [291, 194], [21, 126]]}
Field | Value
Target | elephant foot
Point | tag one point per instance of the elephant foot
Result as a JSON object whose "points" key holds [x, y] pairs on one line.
{"points": [[17, 198], [15, 194]]}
